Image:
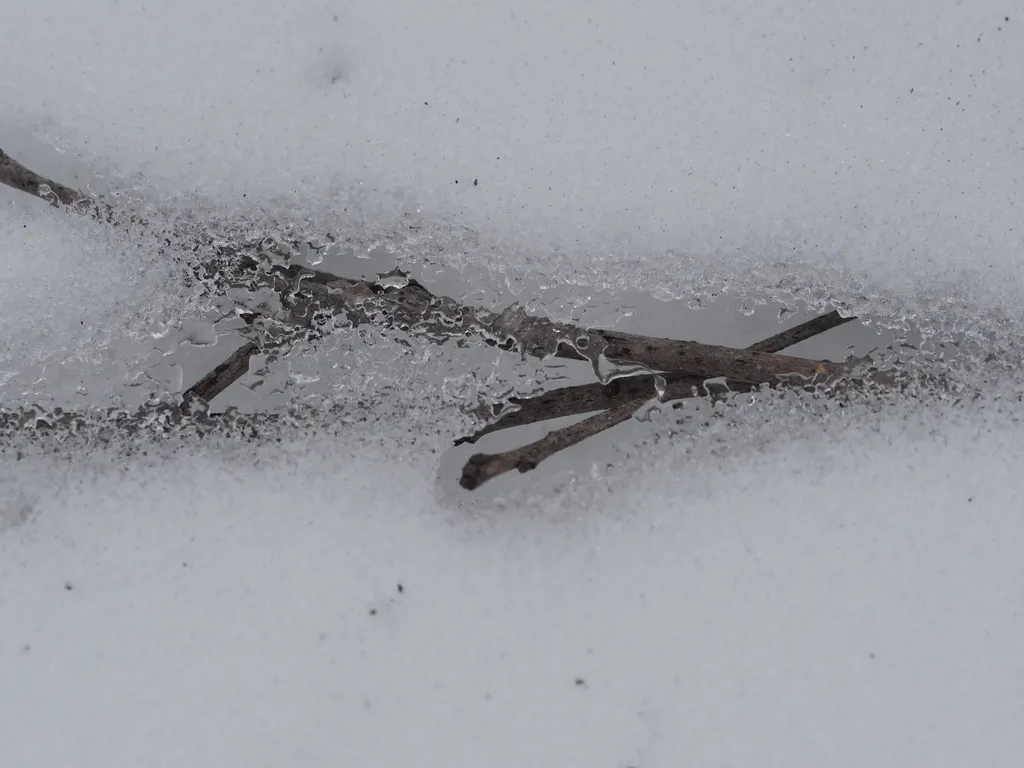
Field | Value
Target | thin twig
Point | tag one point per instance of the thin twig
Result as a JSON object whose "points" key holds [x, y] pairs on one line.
{"points": [[481, 467], [16, 175], [584, 398], [798, 333], [221, 377], [413, 308], [409, 306]]}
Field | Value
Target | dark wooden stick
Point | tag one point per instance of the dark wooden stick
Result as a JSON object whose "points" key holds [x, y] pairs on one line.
{"points": [[221, 377], [802, 332], [584, 398], [14, 174], [580, 399], [412, 307], [481, 467]]}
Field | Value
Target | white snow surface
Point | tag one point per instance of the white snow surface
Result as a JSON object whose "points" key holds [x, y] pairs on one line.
{"points": [[856, 602], [787, 588], [867, 150]]}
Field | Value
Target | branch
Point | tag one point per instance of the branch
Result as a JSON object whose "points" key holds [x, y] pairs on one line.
{"points": [[413, 308], [584, 398], [408, 306], [221, 377], [481, 467], [799, 333], [14, 174]]}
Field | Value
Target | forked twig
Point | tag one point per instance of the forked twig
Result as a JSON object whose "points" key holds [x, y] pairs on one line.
{"points": [[482, 467]]}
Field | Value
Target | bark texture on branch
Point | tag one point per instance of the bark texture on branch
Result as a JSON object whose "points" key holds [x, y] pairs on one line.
{"points": [[584, 398], [413, 308], [221, 377], [481, 467], [308, 295], [14, 174]]}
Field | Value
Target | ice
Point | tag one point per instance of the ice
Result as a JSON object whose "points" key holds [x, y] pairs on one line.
{"points": [[78, 302], [784, 578]]}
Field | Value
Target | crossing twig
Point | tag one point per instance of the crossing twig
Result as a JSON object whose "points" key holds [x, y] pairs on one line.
{"points": [[481, 467]]}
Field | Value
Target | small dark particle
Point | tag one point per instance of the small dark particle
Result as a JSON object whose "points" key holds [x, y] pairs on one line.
{"points": [[426, 104], [475, 182], [970, 499], [373, 611], [580, 682], [401, 589], [26, 649], [68, 586], [872, 655]]}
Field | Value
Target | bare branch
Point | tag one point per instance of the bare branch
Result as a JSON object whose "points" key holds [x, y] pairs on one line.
{"points": [[584, 398], [14, 174], [803, 332], [482, 467], [411, 307], [406, 305], [221, 377]]}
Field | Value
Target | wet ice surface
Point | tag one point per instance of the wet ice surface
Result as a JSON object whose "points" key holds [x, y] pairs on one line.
{"points": [[780, 580]]}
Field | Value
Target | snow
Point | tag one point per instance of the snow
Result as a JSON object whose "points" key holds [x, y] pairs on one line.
{"points": [[238, 609], [76, 296], [790, 584], [822, 144]]}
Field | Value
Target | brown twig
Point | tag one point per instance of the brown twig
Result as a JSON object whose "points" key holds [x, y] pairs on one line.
{"points": [[14, 174], [481, 467], [221, 377], [584, 398], [408, 306], [802, 332], [413, 308]]}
